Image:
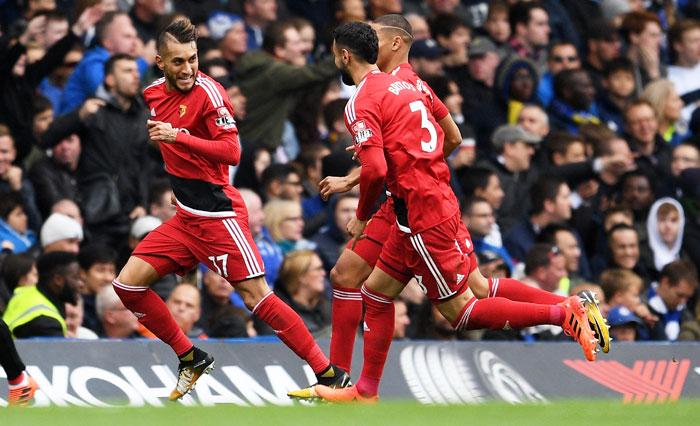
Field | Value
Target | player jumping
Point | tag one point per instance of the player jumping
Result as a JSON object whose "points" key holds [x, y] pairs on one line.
{"points": [[398, 141], [359, 257], [192, 120]]}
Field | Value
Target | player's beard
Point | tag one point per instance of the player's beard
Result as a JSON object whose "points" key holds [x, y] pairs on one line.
{"points": [[172, 80], [346, 78]]}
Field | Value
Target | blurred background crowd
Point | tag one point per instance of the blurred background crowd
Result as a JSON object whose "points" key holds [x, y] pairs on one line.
{"points": [[579, 165]]}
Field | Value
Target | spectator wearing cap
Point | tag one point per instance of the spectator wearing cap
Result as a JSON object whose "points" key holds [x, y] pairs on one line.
{"points": [[425, 57], [515, 86], [684, 41], [514, 148], [483, 61], [61, 233], [561, 56], [549, 203], [529, 26], [624, 324], [144, 15], [602, 46], [574, 101], [669, 297]]}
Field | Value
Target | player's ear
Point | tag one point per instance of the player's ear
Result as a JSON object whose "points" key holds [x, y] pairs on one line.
{"points": [[159, 62], [396, 43]]}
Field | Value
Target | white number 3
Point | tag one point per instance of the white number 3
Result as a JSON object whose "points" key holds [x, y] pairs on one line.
{"points": [[430, 145]]}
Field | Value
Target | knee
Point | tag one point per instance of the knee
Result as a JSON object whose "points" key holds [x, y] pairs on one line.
{"points": [[344, 278], [253, 293]]}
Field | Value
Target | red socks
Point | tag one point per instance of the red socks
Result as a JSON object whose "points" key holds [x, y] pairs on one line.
{"points": [[498, 313], [19, 381], [152, 312], [521, 292], [379, 328], [346, 315], [291, 330]]}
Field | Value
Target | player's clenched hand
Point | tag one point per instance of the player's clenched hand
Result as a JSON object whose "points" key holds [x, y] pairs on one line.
{"points": [[161, 132], [356, 229], [333, 185]]}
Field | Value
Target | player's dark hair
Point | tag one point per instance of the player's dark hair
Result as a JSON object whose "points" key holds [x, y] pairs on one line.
{"points": [[520, 13], [400, 25], [181, 29], [95, 253], [545, 188], [538, 256], [112, 61], [444, 24], [105, 22], [54, 263], [359, 38], [8, 202], [678, 271], [473, 178]]}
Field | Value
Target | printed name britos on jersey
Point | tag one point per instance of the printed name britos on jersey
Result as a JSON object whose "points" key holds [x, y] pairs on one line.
{"points": [[362, 133], [225, 119]]}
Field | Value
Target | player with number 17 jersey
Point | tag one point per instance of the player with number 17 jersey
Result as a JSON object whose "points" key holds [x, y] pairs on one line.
{"points": [[391, 114]]}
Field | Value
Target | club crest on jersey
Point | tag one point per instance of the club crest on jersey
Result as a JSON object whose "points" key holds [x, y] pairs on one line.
{"points": [[225, 119], [182, 110], [362, 133]]}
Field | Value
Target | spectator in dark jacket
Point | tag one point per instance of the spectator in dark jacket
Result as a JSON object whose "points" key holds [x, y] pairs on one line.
{"points": [[114, 148], [55, 177]]}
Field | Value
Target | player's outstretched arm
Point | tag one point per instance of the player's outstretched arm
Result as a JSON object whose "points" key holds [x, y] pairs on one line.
{"points": [[453, 137]]}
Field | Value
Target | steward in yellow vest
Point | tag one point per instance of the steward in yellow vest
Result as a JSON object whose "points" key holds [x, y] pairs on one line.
{"points": [[37, 311]]}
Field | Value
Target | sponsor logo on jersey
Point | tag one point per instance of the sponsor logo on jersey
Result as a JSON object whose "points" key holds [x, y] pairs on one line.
{"points": [[225, 119], [362, 133], [182, 110]]}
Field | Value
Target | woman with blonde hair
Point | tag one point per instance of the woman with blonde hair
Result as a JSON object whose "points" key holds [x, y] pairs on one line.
{"points": [[301, 284], [284, 220], [663, 97]]}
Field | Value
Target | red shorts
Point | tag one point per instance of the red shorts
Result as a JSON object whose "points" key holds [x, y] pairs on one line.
{"points": [[224, 244], [376, 232], [441, 258]]}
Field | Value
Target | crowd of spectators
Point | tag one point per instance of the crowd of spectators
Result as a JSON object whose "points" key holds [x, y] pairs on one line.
{"points": [[579, 166]]}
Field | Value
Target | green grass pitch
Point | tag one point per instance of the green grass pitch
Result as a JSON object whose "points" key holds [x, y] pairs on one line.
{"points": [[567, 413]]}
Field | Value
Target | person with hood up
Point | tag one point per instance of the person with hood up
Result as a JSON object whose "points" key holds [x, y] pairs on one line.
{"points": [[515, 86], [665, 225]]}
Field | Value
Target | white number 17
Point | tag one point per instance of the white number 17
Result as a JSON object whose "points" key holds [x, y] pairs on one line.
{"points": [[430, 145], [220, 270]]}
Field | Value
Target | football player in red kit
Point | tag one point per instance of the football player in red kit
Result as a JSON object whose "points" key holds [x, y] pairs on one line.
{"points": [[399, 142], [192, 120], [395, 36]]}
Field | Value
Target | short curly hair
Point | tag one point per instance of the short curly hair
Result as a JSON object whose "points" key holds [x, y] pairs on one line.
{"points": [[359, 38]]}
